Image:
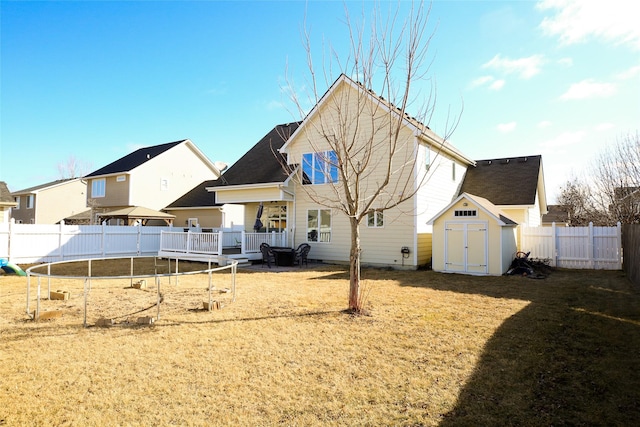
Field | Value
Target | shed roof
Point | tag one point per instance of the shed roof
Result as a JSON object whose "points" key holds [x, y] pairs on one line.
{"points": [[506, 181]]}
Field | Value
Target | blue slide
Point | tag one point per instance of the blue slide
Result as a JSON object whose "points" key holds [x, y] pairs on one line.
{"points": [[11, 268]]}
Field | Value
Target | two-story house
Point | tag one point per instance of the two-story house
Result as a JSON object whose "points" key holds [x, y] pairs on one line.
{"points": [[136, 187], [51, 202], [273, 172]]}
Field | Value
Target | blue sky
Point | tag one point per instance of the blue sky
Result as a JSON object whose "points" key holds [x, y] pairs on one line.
{"points": [[97, 80]]}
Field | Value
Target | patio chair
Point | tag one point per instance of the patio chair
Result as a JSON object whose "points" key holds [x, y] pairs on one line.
{"points": [[267, 254], [301, 254]]}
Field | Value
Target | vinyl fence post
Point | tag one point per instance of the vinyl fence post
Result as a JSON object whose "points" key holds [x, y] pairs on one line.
{"points": [[60, 245], [103, 242], [590, 246], [554, 246], [619, 245]]}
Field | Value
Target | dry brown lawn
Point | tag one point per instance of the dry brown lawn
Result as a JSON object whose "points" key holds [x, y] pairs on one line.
{"points": [[435, 350]]}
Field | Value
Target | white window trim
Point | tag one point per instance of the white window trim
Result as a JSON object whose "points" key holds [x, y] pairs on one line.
{"points": [[318, 210], [375, 214], [324, 155], [94, 186], [31, 201]]}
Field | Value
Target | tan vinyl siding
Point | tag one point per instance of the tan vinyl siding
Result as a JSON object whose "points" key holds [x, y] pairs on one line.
{"points": [[425, 241], [207, 218], [116, 192], [180, 167], [59, 202], [250, 195], [53, 204]]}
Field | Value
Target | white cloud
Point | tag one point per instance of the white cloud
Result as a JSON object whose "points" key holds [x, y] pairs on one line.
{"points": [[564, 139], [587, 89], [576, 21], [604, 126], [481, 81], [544, 124], [566, 62], [629, 74], [524, 67], [497, 85], [506, 127]]}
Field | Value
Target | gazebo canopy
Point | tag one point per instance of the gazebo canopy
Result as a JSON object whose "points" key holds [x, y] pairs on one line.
{"points": [[133, 214]]}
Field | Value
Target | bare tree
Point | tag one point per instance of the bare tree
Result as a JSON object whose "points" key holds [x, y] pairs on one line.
{"points": [[611, 192], [362, 148], [72, 168], [617, 180], [576, 197]]}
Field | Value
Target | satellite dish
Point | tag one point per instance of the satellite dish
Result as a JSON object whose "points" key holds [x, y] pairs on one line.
{"points": [[221, 166]]}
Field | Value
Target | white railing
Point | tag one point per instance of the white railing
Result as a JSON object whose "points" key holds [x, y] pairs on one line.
{"points": [[191, 242], [575, 247]]}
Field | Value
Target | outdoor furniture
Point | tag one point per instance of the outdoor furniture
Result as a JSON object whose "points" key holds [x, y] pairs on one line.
{"points": [[267, 254], [300, 254], [284, 256]]}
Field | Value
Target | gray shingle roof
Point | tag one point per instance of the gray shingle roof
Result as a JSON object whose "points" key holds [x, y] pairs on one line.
{"points": [[135, 159], [507, 181], [260, 164], [42, 186], [197, 197]]}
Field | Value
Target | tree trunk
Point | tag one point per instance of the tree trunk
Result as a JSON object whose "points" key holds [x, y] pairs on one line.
{"points": [[354, 267]]}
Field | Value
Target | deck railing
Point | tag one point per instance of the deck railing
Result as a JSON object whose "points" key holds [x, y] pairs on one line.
{"points": [[213, 243]]}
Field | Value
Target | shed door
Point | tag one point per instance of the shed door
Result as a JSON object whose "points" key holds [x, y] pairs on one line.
{"points": [[466, 247]]}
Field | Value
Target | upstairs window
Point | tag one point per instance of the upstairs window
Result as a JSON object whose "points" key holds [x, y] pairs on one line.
{"points": [[320, 168], [17, 200], [30, 201], [98, 187]]}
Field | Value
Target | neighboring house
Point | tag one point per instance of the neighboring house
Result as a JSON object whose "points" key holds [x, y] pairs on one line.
{"points": [[150, 178], [556, 214], [50, 203], [198, 209], [397, 237], [7, 202], [515, 185]]}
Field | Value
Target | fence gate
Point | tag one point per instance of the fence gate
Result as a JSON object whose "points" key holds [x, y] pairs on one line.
{"points": [[575, 247]]}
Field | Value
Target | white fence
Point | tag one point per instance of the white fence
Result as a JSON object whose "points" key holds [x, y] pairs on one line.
{"points": [[35, 243], [575, 247]]}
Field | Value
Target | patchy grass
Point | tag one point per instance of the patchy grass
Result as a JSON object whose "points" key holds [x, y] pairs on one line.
{"points": [[435, 350]]}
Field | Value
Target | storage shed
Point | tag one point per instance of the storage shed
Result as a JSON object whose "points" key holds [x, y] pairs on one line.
{"points": [[472, 236]]}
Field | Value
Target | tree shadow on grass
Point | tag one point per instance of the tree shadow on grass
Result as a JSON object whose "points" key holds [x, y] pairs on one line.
{"points": [[570, 357]]}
